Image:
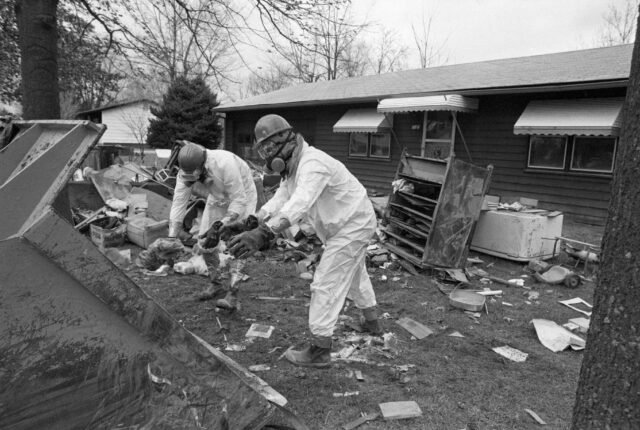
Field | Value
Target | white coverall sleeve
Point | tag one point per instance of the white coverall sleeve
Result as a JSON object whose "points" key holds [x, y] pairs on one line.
{"points": [[179, 204], [233, 184], [276, 202], [310, 185]]}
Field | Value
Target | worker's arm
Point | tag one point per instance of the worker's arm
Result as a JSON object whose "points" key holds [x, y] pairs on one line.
{"points": [[233, 184], [181, 195], [275, 203]]}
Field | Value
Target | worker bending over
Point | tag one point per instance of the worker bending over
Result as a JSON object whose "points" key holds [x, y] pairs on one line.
{"points": [[232, 195], [320, 190]]}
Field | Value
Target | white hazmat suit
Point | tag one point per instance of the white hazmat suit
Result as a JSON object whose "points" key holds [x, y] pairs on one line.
{"points": [[321, 191], [232, 191]]}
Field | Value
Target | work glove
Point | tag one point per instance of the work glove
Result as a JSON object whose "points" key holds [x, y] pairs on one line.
{"points": [[247, 243], [212, 236], [234, 228]]}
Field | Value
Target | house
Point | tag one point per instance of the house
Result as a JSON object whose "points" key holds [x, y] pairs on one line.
{"points": [[127, 122], [548, 124]]}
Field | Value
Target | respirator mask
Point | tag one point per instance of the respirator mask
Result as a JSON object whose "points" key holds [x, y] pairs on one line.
{"points": [[271, 152]]}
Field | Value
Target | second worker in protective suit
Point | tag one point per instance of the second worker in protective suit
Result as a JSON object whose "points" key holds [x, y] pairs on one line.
{"points": [[318, 189], [232, 196]]}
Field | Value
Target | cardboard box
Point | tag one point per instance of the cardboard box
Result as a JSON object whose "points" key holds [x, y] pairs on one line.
{"points": [[144, 231], [107, 238]]}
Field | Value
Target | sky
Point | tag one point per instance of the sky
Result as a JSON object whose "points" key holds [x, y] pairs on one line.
{"points": [[477, 30]]}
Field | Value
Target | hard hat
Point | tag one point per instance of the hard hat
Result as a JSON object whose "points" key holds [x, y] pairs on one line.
{"points": [[191, 159], [270, 125]]}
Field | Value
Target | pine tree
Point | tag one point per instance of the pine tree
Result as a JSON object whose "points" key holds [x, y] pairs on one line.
{"points": [[186, 114]]}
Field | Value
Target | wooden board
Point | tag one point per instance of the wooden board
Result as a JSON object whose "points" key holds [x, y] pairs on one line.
{"points": [[400, 410], [415, 328]]}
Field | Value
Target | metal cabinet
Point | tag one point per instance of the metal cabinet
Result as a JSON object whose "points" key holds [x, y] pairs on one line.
{"points": [[432, 211]]}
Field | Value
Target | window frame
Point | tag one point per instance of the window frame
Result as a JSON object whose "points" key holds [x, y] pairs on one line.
{"points": [[367, 154], [564, 156], [613, 157], [569, 152]]}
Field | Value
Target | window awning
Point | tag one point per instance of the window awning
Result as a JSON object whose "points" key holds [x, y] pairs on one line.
{"points": [[449, 102], [588, 117], [362, 121]]}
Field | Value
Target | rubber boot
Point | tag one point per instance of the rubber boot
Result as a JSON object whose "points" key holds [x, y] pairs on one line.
{"points": [[370, 322], [317, 354], [230, 301]]}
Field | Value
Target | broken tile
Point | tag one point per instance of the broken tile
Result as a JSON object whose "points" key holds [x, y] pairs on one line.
{"points": [[511, 353], [400, 410], [555, 337], [415, 328], [260, 330], [259, 368]]}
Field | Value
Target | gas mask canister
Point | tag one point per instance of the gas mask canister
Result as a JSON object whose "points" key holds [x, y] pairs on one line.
{"points": [[271, 153]]}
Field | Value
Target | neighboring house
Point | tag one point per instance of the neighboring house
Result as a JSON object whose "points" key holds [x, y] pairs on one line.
{"points": [[127, 123], [549, 124]]}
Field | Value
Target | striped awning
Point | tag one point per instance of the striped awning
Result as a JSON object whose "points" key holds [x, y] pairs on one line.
{"points": [[587, 117], [449, 102], [362, 121]]}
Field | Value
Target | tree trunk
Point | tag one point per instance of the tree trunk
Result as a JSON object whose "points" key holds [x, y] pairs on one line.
{"points": [[38, 38], [608, 395]]}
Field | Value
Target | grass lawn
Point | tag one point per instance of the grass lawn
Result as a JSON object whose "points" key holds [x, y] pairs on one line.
{"points": [[458, 382]]}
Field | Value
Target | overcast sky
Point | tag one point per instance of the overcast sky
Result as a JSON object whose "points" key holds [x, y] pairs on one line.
{"points": [[476, 30]]}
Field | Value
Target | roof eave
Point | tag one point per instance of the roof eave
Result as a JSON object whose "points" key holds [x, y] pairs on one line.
{"points": [[522, 89]]}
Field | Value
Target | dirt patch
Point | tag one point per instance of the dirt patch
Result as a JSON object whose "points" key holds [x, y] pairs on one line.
{"points": [[458, 382]]}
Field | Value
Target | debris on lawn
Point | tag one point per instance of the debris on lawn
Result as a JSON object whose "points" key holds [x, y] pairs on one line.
{"points": [[259, 368], [511, 353], [575, 301], [416, 329], [260, 330], [580, 324], [519, 282], [365, 418], [467, 300], [455, 334], [359, 375], [235, 347], [535, 417], [163, 270], [347, 394], [507, 304], [489, 292], [400, 410], [195, 265], [555, 337], [558, 275]]}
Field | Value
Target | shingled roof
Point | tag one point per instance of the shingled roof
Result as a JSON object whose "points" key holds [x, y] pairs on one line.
{"points": [[599, 67]]}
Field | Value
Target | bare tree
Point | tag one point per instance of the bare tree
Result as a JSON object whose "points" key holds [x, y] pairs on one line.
{"points": [[429, 53], [387, 53], [137, 122], [619, 24], [267, 79]]}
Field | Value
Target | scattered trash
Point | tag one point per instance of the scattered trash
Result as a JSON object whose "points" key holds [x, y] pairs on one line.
{"points": [[517, 281], [306, 276], [259, 368], [415, 328], [400, 410], [533, 295], [538, 265], [359, 421], [558, 275], [468, 300], [555, 337], [489, 292], [359, 375], [347, 394], [535, 417], [455, 275], [473, 314], [474, 260], [575, 301], [507, 319], [383, 278], [144, 231], [507, 304], [344, 352], [260, 330], [195, 265], [455, 334], [511, 353], [160, 271], [235, 347], [582, 324], [390, 341]]}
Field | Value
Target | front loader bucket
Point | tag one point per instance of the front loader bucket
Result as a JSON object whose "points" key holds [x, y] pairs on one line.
{"points": [[82, 346]]}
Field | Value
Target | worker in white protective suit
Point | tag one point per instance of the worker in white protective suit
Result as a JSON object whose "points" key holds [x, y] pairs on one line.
{"points": [[232, 197], [318, 189]]}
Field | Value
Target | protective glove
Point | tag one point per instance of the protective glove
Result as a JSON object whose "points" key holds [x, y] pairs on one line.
{"points": [[247, 243], [212, 236], [234, 228]]}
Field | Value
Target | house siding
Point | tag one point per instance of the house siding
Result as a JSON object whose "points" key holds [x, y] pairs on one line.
{"points": [[490, 140], [123, 123]]}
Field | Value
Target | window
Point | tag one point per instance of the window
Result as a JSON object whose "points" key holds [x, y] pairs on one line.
{"points": [[577, 153], [593, 154], [373, 145], [438, 134], [547, 152]]}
